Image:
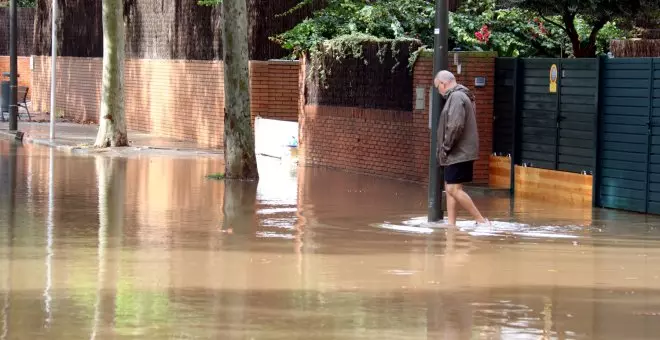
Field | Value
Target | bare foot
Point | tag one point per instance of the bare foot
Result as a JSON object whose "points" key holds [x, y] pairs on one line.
{"points": [[485, 222]]}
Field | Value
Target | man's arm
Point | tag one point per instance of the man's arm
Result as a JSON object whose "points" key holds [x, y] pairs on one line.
{"points": [[455, 121]]}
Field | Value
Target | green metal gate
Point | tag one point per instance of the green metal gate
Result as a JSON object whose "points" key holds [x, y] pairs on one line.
{"points": [[558, 129], [629, 152]]}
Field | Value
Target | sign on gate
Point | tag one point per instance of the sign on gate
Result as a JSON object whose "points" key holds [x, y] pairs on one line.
{"points": [[553, 78]]}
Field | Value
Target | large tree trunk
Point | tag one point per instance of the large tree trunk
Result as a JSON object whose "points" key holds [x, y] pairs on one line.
{"points": [[582, 49], [240, 158], [112, 121]]}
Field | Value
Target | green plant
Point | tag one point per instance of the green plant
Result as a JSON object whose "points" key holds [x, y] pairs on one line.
{"points": [[513, 31], [583, 22], [352, 46], [209, 2], [216, 176], [20, 3]]}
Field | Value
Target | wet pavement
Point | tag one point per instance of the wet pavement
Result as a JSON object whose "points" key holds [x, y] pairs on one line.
{"points": [[147, 248]]}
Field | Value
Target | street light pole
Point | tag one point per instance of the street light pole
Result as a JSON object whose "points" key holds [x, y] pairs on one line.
{"points": [[53, 60], [440, 62], [13, 66]]}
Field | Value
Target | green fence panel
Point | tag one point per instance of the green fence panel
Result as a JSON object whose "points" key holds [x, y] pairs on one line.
{"points": [[625, 144]]}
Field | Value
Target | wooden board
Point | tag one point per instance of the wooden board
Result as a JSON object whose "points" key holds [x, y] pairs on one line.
{"points": [[554, 186], [499, 170]]}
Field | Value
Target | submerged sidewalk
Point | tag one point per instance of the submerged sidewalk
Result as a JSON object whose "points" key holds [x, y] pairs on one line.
{"points": [[79, 139]]}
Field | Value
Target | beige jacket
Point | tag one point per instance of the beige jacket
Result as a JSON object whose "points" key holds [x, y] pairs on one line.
{"points": [[458, 135]]}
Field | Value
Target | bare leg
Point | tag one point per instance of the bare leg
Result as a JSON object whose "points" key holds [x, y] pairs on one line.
{"points": [[451, 208], [460, 196]]}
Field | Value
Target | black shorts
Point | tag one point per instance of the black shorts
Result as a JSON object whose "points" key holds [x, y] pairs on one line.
{"points": [[459, 173]]}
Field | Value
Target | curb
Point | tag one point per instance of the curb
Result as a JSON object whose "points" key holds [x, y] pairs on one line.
{"points": [[77, 150], [26, 139]]}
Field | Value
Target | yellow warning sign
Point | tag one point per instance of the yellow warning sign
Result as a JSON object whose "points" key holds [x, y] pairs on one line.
{"points": [[553, 78]]}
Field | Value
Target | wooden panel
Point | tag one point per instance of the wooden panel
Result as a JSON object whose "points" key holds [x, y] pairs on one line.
{"points": [[626, 83], [614, 202], [579, 99], [624, 145], [625, 102], [579, 86], [627, 74], [500, 172], [554, 186], [539, 115], [578, 91], [653, 201]]}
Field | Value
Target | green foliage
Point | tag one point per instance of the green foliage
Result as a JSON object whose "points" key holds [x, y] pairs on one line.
{"points": [[21, 3], [586, 23], [388, 19], [216, 176], [209, 2], [514, 31], [352, 46], [591, 11]]}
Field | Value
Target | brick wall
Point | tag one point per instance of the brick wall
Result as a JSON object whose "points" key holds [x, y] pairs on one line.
{"points": [[394, 143], [170, 98], [275, 90], [24, 71]]}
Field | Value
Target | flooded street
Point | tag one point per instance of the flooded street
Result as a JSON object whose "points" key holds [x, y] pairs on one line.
{"points": [[95, 247]]}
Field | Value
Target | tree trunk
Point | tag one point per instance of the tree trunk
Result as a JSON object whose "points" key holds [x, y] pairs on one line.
{"points": [[240, 158], [581, 50], [112, 121]]}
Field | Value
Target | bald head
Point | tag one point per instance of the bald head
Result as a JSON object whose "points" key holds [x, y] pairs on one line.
{"points": [[444, 81], [445, 76]]}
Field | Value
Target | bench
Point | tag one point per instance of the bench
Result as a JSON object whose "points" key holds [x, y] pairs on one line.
{"points": [[22, 103]]}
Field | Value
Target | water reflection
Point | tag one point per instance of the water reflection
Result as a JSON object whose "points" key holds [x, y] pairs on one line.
{"points": [[239, 207], [141, 248], [111, 173], [50, 226]]}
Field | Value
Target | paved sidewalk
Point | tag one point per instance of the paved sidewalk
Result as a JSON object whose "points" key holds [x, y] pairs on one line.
{"points": [[79, 139]]}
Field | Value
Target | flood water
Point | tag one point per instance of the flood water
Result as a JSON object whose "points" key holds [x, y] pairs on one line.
{"points": [[147, 248]]}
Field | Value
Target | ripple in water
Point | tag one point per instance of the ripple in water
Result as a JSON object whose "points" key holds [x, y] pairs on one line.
{"points": [[419, 225]]}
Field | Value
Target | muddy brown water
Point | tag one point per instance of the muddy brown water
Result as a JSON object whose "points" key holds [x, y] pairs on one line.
{"points": [[147, 248]]}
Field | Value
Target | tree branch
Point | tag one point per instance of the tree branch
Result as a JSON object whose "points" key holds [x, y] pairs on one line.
{"points": [[538, 46], [597, 27], [552, 22]]}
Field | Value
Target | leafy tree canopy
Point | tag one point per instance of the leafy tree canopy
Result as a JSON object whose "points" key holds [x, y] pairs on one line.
{"points": [[20, 3], [596, 14], [476, 25]]}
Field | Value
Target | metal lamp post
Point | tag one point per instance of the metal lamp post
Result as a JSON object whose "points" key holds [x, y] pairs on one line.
{"points": [[440, 62], [53, 57], [13, 66]]}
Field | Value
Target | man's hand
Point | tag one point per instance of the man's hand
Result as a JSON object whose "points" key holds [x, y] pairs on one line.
{"points": [[442, 155]]}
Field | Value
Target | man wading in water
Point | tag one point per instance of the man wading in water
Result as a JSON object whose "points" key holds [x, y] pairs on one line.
{"points": [[458, 144]]}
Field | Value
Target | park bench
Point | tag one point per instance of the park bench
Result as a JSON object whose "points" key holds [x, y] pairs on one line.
{"points": [[22, 103]]}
